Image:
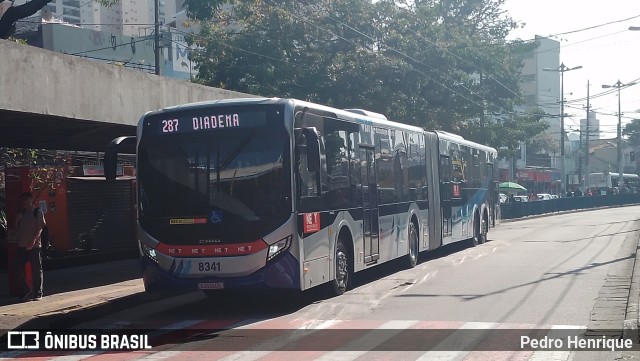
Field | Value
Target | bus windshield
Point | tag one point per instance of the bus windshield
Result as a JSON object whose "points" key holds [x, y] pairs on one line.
{"points": [[227, 178]]}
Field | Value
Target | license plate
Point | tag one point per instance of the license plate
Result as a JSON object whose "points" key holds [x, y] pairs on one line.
{"points": [[210, 285]]}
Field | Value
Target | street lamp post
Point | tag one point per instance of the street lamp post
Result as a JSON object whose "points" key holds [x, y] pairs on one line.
{"points": [[562, 69], [619, 85]]}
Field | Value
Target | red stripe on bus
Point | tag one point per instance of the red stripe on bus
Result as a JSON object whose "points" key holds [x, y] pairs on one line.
{"points": [[218, 250]]}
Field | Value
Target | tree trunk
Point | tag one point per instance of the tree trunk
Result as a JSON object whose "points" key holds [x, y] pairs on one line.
{"points": [[16, 13]]}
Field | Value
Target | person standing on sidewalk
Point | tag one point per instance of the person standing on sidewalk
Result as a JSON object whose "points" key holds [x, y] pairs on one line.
{"points": [[29, 224]]}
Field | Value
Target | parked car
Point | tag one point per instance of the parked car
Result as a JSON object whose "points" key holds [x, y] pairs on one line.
{"points": [[544, 196], [521, 198], [503, 198]]}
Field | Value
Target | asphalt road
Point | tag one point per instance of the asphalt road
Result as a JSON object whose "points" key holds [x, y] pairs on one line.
{"points": [[564, 272]]}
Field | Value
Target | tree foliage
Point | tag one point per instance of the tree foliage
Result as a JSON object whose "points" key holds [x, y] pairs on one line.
{"points": [[15, 13], [632, 130], [438, 64]]}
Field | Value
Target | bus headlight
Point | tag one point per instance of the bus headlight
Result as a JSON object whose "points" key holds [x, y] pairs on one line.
{"points": [[279, 247], [149, 252]]}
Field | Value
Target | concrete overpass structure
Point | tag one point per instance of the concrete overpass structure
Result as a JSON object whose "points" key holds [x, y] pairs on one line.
{"points": [[55, 101]]}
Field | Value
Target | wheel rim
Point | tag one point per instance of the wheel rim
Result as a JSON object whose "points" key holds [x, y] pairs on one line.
{"points": [[342, 272]]}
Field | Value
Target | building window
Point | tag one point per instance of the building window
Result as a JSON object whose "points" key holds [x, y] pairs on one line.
{"points": [[71, 12], [71, 3], [528, 78]]}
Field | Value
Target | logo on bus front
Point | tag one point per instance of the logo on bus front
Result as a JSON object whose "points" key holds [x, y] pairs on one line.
{"points": [[216, 216], [311, 222]]}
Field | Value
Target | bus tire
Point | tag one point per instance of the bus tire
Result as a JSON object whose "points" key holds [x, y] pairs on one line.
{"points": [[476, 230], [343, 271], [412, 256], [484, 229]]}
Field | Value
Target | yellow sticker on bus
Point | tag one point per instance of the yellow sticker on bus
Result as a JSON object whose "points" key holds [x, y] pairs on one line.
{"points": [[187, 221]]}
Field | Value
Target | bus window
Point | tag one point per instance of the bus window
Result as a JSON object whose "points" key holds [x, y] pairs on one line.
{"points": [[385, 168]]}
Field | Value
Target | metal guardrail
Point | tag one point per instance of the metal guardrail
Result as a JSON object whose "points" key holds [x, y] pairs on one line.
{"points": [[523, 209]]}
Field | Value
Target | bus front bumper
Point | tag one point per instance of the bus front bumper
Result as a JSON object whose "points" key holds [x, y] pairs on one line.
{"points": [[281, 273]]}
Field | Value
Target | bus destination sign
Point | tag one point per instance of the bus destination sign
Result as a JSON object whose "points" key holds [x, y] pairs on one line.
{"points": [[199, 122]]}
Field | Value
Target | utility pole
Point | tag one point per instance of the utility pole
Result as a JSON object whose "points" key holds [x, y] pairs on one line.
{"points": [[157, 35], [587, 171], [563, 172], [619, 85]]}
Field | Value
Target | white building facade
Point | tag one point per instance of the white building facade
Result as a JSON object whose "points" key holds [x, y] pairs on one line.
{"points": [[126, 17], [541, 89]]}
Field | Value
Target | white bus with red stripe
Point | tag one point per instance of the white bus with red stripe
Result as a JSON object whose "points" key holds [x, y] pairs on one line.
{"points": [[281, 193]]}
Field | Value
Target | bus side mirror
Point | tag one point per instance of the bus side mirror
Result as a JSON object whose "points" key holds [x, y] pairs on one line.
{"points": [[313, 149], [111, 156]]}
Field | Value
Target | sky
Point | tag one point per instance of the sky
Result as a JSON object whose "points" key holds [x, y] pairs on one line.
{"points": [[607, 52]]}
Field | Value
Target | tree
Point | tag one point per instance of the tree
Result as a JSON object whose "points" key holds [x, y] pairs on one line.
{"points": [[632, 130], [15, 13], [543, 143], [436, 64]]}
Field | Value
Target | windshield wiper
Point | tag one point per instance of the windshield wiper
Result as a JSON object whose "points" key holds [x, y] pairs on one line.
{"points": [[227, 201], [234, 154]]}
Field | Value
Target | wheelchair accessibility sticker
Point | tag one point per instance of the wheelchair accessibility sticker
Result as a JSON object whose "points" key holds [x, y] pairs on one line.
{"points": [[216, 216]]}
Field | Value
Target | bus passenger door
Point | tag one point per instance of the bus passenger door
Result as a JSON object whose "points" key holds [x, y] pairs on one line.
{"points": [[445, 195], [369, 205]]}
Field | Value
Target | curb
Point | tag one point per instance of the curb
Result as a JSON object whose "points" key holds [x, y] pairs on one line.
{"points": [[632, 316], [70, 318], [579, 210], [84, 259]]}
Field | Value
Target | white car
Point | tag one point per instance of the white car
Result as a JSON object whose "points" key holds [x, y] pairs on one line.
{"points": [[544, 196]]}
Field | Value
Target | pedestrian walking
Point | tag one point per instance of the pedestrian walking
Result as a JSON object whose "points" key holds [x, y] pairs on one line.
{"points": [[29, 224]]}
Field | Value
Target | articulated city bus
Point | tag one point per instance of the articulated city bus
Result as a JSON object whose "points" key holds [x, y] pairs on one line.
{"points": [[281, 193], [606, 181]]}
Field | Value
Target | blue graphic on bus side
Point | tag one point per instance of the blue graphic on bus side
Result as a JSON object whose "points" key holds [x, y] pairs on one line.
{"points": [[216, 216]]}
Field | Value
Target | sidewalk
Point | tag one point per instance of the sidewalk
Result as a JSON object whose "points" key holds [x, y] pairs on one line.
{"points": [[73, 294]]}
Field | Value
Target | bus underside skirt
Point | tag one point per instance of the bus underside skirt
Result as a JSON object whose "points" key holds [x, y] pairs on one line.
{"points": [[281, 273]]}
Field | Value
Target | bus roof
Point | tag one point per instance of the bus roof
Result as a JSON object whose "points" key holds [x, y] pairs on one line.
{"points": [[362, 116], [613, 174], [460, 140], [357, 116]]}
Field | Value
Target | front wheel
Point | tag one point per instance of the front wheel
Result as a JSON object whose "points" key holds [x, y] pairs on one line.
{"points": [[343, 270]]}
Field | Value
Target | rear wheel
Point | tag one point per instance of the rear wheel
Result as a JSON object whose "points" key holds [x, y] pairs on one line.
{"points": [[476, 230], [343, 270], [412, 256], [484, 229]]}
